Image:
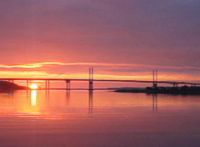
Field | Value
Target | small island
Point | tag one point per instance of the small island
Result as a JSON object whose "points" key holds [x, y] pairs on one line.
{"points": [[6, 86]]}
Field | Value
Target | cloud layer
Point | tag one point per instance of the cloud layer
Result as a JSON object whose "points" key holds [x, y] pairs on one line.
{"points": [[117, 37], [102, 71]]}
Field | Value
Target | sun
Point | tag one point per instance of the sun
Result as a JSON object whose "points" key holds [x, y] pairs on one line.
{"points": [[34, 86]]}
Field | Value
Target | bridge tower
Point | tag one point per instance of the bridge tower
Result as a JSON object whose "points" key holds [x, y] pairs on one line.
{"points": [[91, 78]]}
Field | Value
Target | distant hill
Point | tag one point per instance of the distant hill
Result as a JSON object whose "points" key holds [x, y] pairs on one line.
{"points": [[6, 86]]}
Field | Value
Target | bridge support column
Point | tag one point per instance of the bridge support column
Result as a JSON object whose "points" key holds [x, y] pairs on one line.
{"points": [[91, 85], [91, 78], [47, 84], [175, 84], [68, 85], [27, 83]]}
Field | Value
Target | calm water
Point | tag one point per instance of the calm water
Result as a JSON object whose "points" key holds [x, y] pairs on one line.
{"points": [[101, 119]]}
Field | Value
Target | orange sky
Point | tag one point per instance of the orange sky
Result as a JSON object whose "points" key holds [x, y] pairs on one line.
{"points": [[120, 39], [102, 71]]}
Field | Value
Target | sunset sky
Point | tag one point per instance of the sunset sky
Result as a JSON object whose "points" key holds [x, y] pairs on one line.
{"points": [[120, 38]]}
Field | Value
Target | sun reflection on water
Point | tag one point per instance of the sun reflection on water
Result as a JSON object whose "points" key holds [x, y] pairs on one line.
{"points": [[34, 95]]}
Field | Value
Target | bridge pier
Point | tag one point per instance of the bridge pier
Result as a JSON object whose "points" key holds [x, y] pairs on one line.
{"points": [[68, 85], [91, 85], [175, 84], [91, 79], [27, 83], [47, 84]]}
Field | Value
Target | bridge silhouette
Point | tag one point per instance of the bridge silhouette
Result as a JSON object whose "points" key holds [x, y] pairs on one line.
{"points": [[91, 81]]}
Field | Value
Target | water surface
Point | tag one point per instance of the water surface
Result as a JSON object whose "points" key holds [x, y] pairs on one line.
{"points": [[99, 119]]}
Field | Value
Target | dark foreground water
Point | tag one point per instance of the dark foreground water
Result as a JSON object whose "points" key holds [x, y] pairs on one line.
{"points": [[101, 119]]}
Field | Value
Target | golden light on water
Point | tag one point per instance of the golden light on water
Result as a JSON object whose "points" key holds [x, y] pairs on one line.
{"points": [[34, 95]]}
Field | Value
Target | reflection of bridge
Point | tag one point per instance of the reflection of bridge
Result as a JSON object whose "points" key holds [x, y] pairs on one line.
{"points": [[91, 81]]}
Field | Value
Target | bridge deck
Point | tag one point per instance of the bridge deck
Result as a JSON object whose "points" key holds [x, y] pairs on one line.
{"points": [[100, 80]]}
